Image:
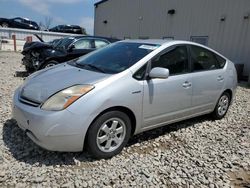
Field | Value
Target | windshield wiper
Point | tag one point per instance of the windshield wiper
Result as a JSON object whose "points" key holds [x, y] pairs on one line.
{"points": [[92, 67]]}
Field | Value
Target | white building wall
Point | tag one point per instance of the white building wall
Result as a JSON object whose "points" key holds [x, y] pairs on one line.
{"points": [[150, 18]]}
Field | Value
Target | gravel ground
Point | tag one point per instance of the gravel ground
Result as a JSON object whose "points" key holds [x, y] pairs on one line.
{"points": [[194, 153]]}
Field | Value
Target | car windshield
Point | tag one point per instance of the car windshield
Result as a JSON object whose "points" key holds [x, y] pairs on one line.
{"points": [[116, 57]]}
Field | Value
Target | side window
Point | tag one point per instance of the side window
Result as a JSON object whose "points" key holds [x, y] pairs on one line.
{"points": [[176, 60], [100, 44], [82, 44], [26, 21], [202, 59], [18, 20]]}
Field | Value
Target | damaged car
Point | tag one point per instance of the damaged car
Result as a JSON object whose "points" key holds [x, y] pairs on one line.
{"points": [[31, 49], [41, 55]]}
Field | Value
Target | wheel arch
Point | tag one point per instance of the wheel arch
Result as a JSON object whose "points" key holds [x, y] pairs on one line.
{"points": [[42, 65], [123, 109], [230, 92]]}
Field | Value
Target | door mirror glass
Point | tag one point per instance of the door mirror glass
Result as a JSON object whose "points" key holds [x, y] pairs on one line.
{"points": [[159, 72]]}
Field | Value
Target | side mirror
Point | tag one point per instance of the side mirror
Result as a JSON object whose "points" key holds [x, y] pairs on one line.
{"points": [[159, 72]]}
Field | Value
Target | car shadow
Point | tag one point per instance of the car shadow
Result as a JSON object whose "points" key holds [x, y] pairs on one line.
{"points": [[245, 85], [167, 129], [24, 150]]}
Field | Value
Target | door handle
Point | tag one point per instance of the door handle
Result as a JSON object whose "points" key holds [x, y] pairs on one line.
{"points": [[220, 78], [187, 84]]}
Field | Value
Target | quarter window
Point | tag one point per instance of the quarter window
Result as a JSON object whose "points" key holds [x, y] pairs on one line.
{"points": [[175, 60], [203, 59], [139, 75], [220, 60]]}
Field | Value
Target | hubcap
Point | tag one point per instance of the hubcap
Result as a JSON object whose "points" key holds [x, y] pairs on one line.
{"points": [[223, 105], [111, 135], [50, 65]]}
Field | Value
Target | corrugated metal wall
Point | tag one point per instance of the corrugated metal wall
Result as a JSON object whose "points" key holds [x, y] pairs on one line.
{"points": [[150, 18]]}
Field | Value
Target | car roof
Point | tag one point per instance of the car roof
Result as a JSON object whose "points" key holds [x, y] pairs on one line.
{"points": [[170, 42], [162, 42]]}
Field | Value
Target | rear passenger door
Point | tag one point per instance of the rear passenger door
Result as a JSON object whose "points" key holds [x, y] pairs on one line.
{"points": [[207, 78]]}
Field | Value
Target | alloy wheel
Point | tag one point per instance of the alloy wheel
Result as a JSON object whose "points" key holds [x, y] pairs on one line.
{"points": [[223, 105], [50, 65], [111, 135]]}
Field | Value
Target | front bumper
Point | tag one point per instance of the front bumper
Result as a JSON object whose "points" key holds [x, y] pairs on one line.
{"points": [[31, 62], [55, 131]]}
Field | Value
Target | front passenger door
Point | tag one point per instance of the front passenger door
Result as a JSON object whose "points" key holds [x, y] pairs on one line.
{"points": [[167, 100]]}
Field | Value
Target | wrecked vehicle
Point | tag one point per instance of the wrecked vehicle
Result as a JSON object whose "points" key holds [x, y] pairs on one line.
{"points": [[30, 50], [40, 55]]}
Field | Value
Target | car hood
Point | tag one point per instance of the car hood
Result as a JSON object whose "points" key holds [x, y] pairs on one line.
{"points": [[28, 46], [39, 86], [50, 53]]}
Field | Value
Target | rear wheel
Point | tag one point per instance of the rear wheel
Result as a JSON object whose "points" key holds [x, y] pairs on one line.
{"points": [[108, 134], [222, 106]]}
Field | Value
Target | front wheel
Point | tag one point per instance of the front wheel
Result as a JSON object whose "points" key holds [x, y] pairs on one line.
{"points": [[108, 134], [221, 106]]}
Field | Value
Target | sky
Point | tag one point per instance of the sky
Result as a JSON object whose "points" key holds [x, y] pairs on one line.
{"points": [[79, 12]]}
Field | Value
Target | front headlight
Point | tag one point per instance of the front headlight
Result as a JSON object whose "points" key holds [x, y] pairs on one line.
{"points": [[66, 97]]}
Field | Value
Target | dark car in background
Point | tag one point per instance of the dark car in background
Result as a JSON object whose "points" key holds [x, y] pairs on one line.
{"points": [[30, 51], [18, 22], [40, 55], [68, 29]]}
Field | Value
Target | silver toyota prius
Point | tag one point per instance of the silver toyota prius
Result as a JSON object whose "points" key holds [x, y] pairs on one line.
{"points": [[100, 100]]}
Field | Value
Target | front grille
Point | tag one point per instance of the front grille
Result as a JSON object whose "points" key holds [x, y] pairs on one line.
{"points": [[29, 102]]}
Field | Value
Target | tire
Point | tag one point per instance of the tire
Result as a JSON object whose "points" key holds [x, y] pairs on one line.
{"points": [[49, 64], [29, 69], [4, 24], [108, 134], [222, 106]]}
